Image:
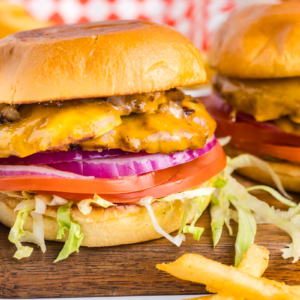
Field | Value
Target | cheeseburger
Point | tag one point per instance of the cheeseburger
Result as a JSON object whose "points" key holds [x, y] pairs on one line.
{"points": [[98, 147], [257, 99]]}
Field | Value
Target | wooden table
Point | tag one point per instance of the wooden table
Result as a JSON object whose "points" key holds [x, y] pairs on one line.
{"points": [[130, 270]]}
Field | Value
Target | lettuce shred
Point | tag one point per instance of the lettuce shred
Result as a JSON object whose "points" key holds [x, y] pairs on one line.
{"points": [[246, 230], [274, 193], [74, 239], [193, 203], [248, 160], [251, 211], [17, 230], [177, 240], [85, 207], [192, 229]]}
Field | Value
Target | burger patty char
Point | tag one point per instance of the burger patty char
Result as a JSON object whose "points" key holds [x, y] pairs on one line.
{"points": [[157, 122]]}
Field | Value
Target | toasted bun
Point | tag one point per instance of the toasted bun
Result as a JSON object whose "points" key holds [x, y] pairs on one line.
{"points": [[95, 60], [259, 41], [103, 227], [288, 173]]}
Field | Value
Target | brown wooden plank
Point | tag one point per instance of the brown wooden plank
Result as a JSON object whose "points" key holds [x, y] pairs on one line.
{"points": [[129, 270]]}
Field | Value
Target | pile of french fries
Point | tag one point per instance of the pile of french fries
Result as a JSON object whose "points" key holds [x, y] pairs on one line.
{"points": [[229, 283]]}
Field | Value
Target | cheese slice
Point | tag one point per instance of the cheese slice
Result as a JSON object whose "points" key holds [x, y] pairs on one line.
{"points": [[53, 126], [159, 132]]}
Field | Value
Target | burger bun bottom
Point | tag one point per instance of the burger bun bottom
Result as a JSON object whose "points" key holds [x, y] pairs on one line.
{"points": [[122, 224]]}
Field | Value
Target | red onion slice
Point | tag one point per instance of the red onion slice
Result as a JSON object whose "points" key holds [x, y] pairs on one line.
{"points": [[132, 164], [43, 171], [45, 158]]}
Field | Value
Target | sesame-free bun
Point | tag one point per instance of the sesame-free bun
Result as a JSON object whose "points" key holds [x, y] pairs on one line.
{"points": [[259, 41], [103, 227], [94, 60], [288, 173]]}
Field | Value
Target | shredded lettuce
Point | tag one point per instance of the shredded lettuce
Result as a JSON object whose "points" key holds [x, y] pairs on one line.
{"points": [[234, 215], [220, 183], [245, 204], [193, 201], [37, 234], [218, 214], [274, 193], [17, 231], [177, 240], [224, 140], [219, 209], [74, 239], [188, 206], [17, 234], [248, 160], [25, 205], [262, 209], [85, 207], [296, 220], [290, 213], [52, 200], [40, 205], [57, 201], [188, 194], [196, 231], [246, 231], [23, 251]]}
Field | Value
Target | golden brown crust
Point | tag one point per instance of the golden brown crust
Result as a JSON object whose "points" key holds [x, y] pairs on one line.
{"points": [[259, 41], [288, 173], [112, 226], [95, 60]]}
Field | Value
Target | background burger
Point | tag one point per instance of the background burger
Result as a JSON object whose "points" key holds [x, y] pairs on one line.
{"points": [[256, 55], [97, 145]]}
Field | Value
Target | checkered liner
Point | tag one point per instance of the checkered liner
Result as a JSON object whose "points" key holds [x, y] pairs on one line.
{"points": [[196, 19]]}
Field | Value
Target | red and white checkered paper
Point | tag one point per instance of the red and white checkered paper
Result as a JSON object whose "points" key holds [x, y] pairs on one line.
{"points": [[196, 19]]}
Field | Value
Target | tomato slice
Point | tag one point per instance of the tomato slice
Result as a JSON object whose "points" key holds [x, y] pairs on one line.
{"points": [[189, 175], [98, 186], [246, 132], [282, 152]]}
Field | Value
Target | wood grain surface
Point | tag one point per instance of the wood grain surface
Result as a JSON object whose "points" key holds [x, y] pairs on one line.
{"points": [[130, 270]]}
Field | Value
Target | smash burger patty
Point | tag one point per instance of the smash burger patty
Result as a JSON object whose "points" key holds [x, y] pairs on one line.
{"points": [[257, 99], [98, 147]]}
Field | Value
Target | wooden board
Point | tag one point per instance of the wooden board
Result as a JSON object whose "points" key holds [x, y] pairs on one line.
{"points": [[129, 270]]}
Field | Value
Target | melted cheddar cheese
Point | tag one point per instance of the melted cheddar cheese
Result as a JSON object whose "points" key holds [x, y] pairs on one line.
{"points": [[159, 132], [49, 127], [162, 122]]}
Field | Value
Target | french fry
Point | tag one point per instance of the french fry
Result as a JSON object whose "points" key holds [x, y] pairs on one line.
{"points": [[255, 262], [227, 279], [214, 297]]}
